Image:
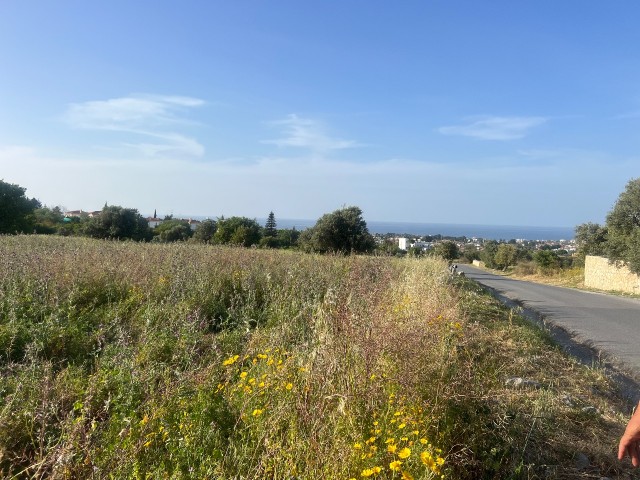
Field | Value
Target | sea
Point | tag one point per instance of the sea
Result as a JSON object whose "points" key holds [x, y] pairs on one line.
{"points": [[487, 232]]}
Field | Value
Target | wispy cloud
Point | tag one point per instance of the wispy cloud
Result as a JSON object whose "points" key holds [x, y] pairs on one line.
{"points": [[307, 133], [494, 128], [151, 116]]}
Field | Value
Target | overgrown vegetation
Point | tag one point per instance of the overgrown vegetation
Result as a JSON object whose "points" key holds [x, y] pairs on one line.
{"points": [[131, 360]]}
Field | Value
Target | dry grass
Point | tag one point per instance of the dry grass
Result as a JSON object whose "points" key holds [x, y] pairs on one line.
{"points": [[182, 361]]}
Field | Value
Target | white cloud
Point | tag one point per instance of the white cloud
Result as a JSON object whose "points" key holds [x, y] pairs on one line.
{"points": [[494, 128], [307, 133], [152, 116]]}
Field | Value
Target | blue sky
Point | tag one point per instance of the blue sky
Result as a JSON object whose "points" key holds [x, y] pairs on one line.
{"points": [[501, 112]]}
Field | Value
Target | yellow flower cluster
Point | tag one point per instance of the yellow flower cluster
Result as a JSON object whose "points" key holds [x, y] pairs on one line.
{"points": [[397, 439], [254, 382]]}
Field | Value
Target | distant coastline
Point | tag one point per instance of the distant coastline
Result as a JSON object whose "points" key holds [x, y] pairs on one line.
{"points": [[488, 232]]}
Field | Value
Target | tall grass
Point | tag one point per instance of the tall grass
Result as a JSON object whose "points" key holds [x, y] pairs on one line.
{"points": [[124, 360]]}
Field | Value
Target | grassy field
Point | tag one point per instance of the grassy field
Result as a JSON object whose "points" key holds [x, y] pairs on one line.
{"points": [[125, 360]]}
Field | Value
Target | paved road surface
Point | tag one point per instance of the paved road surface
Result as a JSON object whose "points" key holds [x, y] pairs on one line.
{"points": [[608, 323]]}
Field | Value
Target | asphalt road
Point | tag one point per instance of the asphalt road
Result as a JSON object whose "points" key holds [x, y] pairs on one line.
{"points": [[608, 323]]}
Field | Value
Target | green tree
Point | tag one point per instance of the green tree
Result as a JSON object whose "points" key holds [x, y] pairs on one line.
{"points": [[488, 253], [470, 254], [447, 250], [506, 255], [343, 231], [237, 231], [288, 237], [172, 231], [270, 229], [591, 239], [48, 220], [16, 209], [547, 260], [623, 227], [116, 222], [205, 231]]}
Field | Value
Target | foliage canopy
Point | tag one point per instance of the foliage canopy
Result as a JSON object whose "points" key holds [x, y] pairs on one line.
{"points": [[623, 225], [237, 231], [16, 209], [447, 250], [116, 222], [343, 230]]}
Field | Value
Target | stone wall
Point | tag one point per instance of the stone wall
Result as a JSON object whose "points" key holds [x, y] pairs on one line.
{"points": [[598, 273]]}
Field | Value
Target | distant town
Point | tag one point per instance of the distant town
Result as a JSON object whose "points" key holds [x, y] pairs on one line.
{"points": [[428, 242]]}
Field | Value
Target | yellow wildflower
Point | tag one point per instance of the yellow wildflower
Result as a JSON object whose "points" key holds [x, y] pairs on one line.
{"points": [[402, 425], [257, 412], [357, 446], [407, 476], [243, 374], [367, 472], [231, 360], [391, 448], [395, 465], [289, 386], [404, 453], [427, 459]]}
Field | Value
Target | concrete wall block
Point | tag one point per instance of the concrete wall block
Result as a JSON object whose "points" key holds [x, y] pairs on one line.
{"points": [[598, 273]]}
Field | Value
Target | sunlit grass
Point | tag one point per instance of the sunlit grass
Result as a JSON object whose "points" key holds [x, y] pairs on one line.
{"points": [[124, 360]]}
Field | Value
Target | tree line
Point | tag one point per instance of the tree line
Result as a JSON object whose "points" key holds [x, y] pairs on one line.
{"points": [[342, 231]]}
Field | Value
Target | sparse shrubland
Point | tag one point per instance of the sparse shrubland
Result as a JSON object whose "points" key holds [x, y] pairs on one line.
{"points": [[130, 360]]}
